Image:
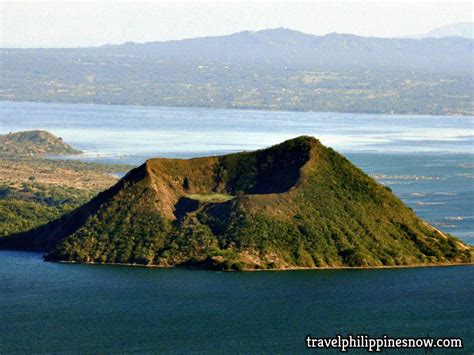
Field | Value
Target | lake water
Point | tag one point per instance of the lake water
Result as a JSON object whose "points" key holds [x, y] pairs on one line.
{"points": [[427, 161], [48, 307]]}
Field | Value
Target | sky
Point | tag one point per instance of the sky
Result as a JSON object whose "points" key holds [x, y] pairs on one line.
{"points": [[73, 24]]}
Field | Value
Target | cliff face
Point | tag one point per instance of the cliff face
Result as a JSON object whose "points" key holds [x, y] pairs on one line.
{"points": [[34, 143], [297, 204]]}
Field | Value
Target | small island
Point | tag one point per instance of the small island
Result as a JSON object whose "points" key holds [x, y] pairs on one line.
{"points": [[33, 143], [295, 205]]}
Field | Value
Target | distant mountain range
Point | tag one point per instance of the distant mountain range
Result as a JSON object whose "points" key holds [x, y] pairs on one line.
{"points": [[462, 29], [283, 46], [271, 69]]}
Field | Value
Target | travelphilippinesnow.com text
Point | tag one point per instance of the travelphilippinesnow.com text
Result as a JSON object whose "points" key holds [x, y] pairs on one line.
{"points": [[374, 344]]}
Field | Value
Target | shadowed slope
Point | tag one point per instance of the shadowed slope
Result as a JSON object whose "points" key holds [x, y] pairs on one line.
{"points": [[297, 204]]}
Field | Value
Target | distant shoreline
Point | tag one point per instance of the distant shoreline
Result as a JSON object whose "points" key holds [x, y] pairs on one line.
{"points": [[249, 109]]}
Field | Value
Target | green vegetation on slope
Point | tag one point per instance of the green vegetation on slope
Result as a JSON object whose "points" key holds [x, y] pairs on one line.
{"points": [[36, 204], [297, 204], [34, 191]]}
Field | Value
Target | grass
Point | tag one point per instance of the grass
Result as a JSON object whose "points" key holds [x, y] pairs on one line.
{"points": [[210, 197]]}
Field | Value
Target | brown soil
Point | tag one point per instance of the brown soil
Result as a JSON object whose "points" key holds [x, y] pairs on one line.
{"points": [[15, 172]]}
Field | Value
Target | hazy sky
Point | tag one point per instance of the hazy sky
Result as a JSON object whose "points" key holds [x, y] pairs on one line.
{"points": [[71, 24]]}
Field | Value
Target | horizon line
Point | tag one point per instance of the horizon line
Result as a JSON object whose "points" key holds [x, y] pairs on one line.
{"points": [[411, 37]]}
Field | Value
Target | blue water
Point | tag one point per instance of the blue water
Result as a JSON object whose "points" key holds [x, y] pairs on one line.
{"points": [[58, 308], [133, 134], [428, 161], [48, 307]]}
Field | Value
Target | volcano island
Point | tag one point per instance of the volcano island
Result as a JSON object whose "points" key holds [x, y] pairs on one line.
{"points": [[297, 204]]}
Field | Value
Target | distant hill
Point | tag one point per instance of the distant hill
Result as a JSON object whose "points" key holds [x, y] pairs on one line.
{"points": [[283, 46], [276, 69], [296, 204], [462, 29], [34, 143]]}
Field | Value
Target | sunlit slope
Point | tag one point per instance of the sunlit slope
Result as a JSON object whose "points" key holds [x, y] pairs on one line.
{"points": [[34, 143], [296, 204]]}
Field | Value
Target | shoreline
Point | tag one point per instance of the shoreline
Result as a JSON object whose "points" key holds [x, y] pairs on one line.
{"points": [[296, 268], [244, 109]]}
